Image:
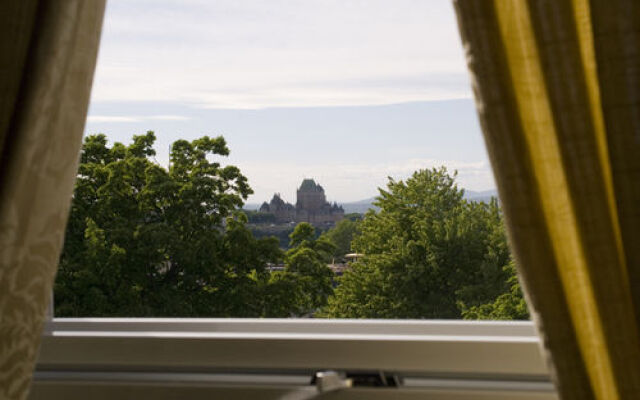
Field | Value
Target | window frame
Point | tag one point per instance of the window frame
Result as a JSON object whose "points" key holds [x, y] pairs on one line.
{"points": [[499, 356]]}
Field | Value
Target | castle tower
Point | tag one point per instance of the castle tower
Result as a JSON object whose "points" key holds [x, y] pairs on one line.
{"points": [[311, 206], [310, 196]]}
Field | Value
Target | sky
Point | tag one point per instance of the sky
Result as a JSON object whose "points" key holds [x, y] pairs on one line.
{"points": [[343, 91]]}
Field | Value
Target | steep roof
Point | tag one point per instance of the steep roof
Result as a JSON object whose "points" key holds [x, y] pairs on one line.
{"points": [[277, 200], [309, 185]]}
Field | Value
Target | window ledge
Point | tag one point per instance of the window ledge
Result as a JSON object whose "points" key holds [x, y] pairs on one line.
{"points": [[442, 355]]}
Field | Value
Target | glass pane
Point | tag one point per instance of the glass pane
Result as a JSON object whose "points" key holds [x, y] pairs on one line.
{"points": [[284, 159]]}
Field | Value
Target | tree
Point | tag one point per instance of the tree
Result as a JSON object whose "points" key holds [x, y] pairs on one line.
{"points": [[146, 241], [306, 260], [259, 217], [428, 253], [341, 236], [143, 240], [509, 305], [353, 217]]}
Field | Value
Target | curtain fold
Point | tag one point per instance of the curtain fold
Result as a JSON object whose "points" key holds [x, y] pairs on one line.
{"points": [[557, 87], [48, 52]]}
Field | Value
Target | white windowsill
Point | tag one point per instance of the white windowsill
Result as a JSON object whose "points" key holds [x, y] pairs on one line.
{"points": [[446, 356]]}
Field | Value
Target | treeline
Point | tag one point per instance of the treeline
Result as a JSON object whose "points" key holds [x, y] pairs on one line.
{"points": [[264, 224], [259, 217], [143, 240]]}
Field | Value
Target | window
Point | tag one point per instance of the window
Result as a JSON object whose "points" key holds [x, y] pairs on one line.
{"points": [[266, 118], [319, 102], [448, 359]]}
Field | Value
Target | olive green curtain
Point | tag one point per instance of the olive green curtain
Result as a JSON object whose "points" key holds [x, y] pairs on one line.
{"points": [[48, 52], [557, 87]]}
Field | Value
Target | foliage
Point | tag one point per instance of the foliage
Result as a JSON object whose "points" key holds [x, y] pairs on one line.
{"points": [[341, 236], [146, 241], [509, 305], [353, 216], [307, 261], [428, 253], [280, 231], [143, 240], [259, 217]]}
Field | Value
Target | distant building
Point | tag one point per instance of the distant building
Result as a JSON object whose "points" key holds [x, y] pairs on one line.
{"points": [[311, 206], [284, 212]]}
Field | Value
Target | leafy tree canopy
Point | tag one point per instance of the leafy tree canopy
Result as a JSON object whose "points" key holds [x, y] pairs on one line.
{"points": [[509, 305], [307, 259], [341, 236], [428, 253], [143, 240]]}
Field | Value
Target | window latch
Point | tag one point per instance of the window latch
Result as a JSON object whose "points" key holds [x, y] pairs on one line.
{"points": [[327, 381]]}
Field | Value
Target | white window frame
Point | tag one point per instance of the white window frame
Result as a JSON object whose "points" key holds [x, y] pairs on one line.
{"points": [[446, 359]]}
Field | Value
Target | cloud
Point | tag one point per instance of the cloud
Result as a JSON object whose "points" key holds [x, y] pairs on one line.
{"points": [[255, 54], [131, 118], [110, 118], [355, 92], [167, 117]]}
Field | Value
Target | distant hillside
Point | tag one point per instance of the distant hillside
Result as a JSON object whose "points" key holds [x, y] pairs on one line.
{"points": [[361, 206], [252, 206], [484, 196]]}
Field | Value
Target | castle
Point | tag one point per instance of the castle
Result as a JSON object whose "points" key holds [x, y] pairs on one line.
{"points": [[311, 206]]}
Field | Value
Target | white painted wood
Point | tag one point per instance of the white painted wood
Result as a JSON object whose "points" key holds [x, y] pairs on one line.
{"points": [[445, 357]]}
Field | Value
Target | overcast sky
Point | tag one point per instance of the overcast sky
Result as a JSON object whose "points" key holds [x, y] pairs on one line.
{"points": [[347, 92]]}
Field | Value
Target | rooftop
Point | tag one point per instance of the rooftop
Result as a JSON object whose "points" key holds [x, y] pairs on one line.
{"points": [[309, 185]]}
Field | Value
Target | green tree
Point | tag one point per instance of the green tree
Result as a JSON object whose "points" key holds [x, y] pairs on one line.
{"points": [[306, 260], [353, 216], [341, 236], [509, 305], [428, 253], [143, 240], [259, 217]]}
